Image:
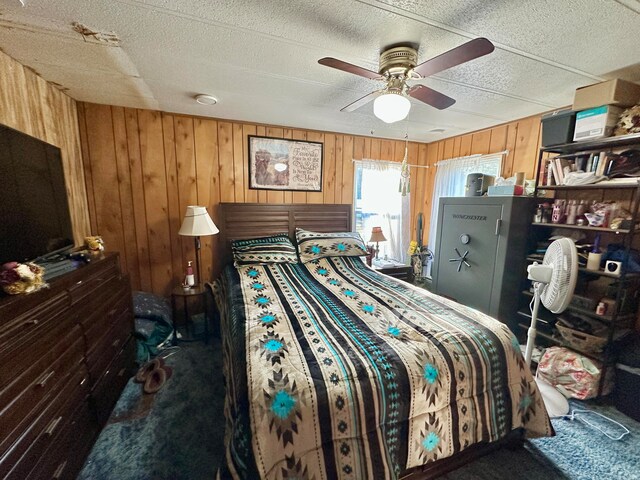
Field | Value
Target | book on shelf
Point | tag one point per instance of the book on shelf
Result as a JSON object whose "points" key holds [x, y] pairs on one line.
{"points": [[554, 171], [596, 162], [602, 161], [620, 181], [563, 167], [599, 163]]}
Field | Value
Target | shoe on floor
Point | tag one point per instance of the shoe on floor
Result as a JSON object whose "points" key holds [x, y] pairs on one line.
{"points": [[146, 369], [156, 379]]}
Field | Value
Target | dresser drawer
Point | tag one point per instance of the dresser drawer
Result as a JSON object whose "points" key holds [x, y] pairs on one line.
{"points": [[95, 280], [21, 457], [28, 349], [65, 457], [102, 298], [110, 345], [107, 390], [23, 399], [98, 325]]}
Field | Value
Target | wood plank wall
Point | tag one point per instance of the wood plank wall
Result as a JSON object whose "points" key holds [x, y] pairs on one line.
{"points": [[31, 105], [521, 138], [142, 168]]}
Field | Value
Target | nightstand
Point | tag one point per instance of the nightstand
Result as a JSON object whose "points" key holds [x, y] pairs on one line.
{"points": [[188, 296], [393, 269]]}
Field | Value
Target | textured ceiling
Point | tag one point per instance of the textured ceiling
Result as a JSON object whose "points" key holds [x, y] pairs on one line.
{"points": [[259, 57]]}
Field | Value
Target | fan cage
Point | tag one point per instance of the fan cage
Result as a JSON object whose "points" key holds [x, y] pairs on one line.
{"points": [[562, 256]]}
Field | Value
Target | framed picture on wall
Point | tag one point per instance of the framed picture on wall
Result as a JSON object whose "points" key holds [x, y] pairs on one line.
{"points": [[282, 164]]}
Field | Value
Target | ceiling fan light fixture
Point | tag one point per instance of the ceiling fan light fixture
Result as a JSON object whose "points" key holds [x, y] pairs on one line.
{"points": [[391, 107]]}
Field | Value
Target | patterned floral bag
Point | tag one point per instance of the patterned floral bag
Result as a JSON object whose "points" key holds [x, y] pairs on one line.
{"points": [[574, 375], [313, 245]]}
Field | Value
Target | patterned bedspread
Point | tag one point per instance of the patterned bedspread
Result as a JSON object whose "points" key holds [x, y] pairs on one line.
{"points": [[336, 371]]}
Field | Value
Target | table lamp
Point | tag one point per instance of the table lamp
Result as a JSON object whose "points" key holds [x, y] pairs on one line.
{"points": [[197, 223], [377, 236]]}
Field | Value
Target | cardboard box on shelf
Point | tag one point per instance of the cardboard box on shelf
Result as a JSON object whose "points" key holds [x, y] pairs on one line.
{"points": [[505, 190], [612, 92], [596, 123]]}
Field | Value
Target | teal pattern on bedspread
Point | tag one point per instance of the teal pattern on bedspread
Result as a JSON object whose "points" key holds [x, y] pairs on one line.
{"points": [[352, 374]]}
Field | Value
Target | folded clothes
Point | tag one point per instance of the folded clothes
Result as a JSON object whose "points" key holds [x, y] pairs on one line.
{"points": [[582, 178]]}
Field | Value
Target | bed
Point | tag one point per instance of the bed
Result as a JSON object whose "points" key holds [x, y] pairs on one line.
{"points": [[333, 370]]}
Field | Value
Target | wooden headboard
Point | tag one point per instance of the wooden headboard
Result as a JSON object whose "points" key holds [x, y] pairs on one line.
{"points": [[252, 220]]}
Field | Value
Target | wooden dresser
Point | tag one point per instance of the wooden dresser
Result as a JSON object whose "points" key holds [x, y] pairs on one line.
{"points": [[66, 353]]}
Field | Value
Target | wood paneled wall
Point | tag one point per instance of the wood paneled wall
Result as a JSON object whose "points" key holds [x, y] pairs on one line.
{"points": [[31, 105], [143, 167], [521, 138]]}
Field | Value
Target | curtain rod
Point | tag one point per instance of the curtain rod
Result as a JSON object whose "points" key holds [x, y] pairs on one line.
{"points": [[478, 156], [390, 162]]}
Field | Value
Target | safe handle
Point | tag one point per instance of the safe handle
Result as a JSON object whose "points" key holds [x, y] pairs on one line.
{"points": [[498, 225]]}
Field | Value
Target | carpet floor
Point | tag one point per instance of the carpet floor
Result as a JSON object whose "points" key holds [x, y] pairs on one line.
{"points": [[178, 434]]}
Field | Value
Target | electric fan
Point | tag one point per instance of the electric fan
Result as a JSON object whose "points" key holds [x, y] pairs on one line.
{"points": [[553, 284]]}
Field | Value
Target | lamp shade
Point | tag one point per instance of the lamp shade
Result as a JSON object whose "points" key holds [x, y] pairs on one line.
{"points": [[197, 222], [377, 235], [391, 107]]}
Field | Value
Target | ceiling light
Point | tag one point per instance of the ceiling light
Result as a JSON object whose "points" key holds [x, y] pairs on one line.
{"points": [[436, 130], [206, 99], [391, 107]]}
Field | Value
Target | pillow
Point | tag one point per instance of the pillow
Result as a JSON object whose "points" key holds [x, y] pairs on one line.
{"points": [[264, 250], [312, 245]]}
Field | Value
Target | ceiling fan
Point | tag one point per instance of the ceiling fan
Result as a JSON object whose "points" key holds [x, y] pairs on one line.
{"points": [[398, 65]]}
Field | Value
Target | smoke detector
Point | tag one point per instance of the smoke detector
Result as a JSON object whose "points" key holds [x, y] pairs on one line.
{"points": [[204, 99]]}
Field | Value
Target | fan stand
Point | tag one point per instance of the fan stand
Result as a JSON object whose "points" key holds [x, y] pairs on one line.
{"points": [[555, 403]]}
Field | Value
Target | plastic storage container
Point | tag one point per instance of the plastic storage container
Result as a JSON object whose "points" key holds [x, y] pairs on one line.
{"points": [[557, 127]]}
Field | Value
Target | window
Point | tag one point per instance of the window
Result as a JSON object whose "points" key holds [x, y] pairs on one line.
{"points": [[378, 203], [451, 178]]}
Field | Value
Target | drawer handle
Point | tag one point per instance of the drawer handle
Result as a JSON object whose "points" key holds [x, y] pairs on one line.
{"points": [[79, 282], [83, 381], [35, 321], [121, 372], [52, 426], [58, 473], [116, 342], [112, 312], [43, 380]]}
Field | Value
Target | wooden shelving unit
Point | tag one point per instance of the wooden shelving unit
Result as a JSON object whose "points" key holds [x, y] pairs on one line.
{"points": [[615, 320]]}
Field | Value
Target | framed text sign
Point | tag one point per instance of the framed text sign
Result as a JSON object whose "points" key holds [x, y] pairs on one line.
{"points": [[282, 164]]}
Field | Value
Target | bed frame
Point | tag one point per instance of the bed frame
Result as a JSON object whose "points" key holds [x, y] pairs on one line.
{"points": [[252, 220], [239, 221]]}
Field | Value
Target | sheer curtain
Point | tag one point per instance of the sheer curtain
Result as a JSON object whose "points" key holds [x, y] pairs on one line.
{"points": [[378, 203], [451, 177]]}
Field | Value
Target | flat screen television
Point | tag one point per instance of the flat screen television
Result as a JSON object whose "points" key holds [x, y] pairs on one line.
{"points": [[34, 211]]}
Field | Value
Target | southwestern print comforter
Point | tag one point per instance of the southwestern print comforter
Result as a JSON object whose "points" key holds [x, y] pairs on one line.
{"points": [[336, 371]]}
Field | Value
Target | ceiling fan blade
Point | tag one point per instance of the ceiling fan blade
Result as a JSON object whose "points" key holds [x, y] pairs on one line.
{"points": [[431, 97], [361, 101], [465, 52], [349, 67]]}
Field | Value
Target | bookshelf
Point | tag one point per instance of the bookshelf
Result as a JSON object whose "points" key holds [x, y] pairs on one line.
{"points": [[602, 158], [597, 285]]}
